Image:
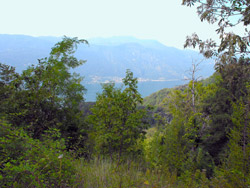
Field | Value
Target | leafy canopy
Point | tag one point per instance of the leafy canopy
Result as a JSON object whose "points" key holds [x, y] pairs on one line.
{"points": [[46, 95], [117, 120], [227, 14]]}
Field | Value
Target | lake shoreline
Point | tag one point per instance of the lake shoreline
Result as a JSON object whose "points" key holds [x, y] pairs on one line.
{"points": [[145, 88]]}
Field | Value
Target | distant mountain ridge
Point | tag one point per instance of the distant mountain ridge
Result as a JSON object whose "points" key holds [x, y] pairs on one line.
{"points": [[108, 58]]}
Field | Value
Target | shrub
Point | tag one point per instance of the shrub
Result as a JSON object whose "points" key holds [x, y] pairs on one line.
{"points": [[28, 162]]}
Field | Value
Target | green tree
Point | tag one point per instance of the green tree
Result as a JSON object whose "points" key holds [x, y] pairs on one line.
{"points": [[217, 106], [235, 168], [48, 95], [183, 146], [181, 133], [7, 75], [117, 119], [232, 65]]}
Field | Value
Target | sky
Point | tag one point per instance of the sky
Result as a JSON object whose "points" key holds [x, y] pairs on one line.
{"points": [[166, 21]]}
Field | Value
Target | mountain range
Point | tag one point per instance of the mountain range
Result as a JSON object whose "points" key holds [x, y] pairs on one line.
{"points": [[108, 58]]}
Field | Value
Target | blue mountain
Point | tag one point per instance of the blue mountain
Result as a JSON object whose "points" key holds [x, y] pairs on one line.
{"points": [[108, 58]]}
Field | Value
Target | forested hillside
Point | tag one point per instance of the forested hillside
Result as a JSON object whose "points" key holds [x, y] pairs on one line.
{"points": [[195, 135], [155, 99]]}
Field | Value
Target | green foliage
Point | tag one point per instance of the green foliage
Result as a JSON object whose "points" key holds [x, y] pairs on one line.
{"points": [[47, 95], [156, 98], [182, 145], [7, 75], [217, 105], [210, 80], [117, 119], [195, 179], [199, 130], [196, 139], [152, 147], [226, 134], [27, 162], [235, 169]]}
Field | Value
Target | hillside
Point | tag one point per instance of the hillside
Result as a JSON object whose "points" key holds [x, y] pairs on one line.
{"points": [[108, 59], [156, 98], [51, 136]]}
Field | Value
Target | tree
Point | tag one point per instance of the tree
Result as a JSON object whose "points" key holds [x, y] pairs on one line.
{"points": [[235, 168], [182, 137], [117, 120], [227, 14], [239, 145], [7, 75], [194, 80], [217, 106], [47, 95], [232, 65]]}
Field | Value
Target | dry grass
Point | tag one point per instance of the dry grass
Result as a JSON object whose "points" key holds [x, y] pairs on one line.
{"points": [[106, 174]]}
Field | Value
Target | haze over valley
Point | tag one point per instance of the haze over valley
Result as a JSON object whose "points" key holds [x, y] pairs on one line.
{"points": [[155, 65]]}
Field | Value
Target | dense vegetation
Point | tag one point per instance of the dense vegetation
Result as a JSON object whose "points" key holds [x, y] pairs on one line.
{"points": [[191, 136]]}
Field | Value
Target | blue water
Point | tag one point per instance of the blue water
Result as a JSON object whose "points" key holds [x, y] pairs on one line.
{"points": [[145, 88]]}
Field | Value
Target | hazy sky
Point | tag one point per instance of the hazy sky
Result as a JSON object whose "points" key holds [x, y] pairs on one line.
{"points": [[164, 20]]}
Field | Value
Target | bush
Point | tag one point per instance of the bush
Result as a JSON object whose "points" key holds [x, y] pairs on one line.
{"points": [[27, 162]]}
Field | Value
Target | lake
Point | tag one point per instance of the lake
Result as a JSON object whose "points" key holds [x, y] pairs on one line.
{"points": [[145, 88]]}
